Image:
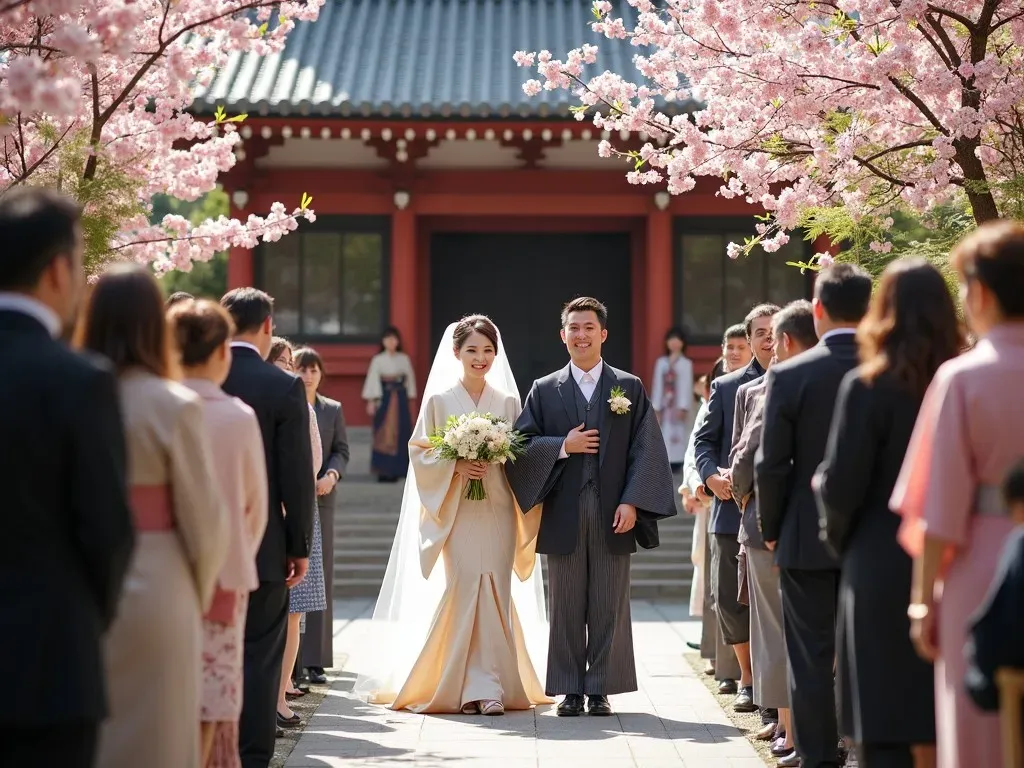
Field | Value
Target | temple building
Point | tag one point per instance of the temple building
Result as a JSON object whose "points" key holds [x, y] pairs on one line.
{"points": [[441, 189]]}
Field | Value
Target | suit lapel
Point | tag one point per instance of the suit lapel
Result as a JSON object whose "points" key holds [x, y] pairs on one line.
{"points": [[568, 395], [605, 418]]}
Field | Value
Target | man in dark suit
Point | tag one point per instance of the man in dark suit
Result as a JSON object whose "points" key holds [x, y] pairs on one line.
{"points": [[595, 457], [68, 534], [279, 400], [799, 399], [712, 446]]}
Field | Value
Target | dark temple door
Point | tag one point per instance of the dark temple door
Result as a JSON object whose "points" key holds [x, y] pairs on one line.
{"points": [[521, 281]]}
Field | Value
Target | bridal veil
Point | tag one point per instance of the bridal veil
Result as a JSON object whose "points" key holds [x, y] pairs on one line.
{"points": [[408, 602]]}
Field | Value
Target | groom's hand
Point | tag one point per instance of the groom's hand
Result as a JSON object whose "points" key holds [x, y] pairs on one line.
{"points": [[582, 440], [625, 518]]}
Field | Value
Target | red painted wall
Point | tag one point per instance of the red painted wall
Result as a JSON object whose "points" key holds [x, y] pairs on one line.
{"points": [[481, 201]]}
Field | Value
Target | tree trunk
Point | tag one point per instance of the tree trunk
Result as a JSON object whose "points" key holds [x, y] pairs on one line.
{"points": [[983, 204]]}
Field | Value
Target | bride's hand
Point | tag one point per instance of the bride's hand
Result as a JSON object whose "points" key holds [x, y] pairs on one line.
{"points": [[471, 470]]}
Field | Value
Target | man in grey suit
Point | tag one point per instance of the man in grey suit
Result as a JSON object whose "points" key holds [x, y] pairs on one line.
{"points": [[712, 446], [792, 333], [596, 459], [318, 640]]}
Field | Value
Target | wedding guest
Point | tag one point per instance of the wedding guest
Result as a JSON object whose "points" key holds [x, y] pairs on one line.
{"points": [[389, 387], [713, 445], [954, 522], [910, 330], [283, 558], [177, 298], [68, 534], [997, 628], [281, 354], [672, 396], [723, 665], [792, 334], [799, 401], [153, 653], [202, 330], [308, 596], [721, 661], [318, 640]]}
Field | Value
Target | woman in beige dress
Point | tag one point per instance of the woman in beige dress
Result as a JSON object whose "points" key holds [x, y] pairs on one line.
{"points": [[153, 652], [203, 331], [472, 657]]}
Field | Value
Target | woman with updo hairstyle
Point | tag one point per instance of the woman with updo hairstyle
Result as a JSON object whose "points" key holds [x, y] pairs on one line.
{"points": [[153, 650], [967, 437], [909, 331], [469, 651], [203, 330]]}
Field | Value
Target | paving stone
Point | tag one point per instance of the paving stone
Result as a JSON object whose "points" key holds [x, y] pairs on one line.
{"points": [[671, 722]]}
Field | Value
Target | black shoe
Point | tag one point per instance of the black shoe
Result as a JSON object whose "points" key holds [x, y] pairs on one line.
{"points": [[792, 760], [727, 687], [769, 715], [744, 702], [288, 722], [693, 646], [279, 734], [316, 675], [570, 706], [598, 706]]}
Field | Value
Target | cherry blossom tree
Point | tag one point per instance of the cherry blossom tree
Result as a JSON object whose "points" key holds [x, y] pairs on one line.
{"points": [[830, 115], [94, 99]]}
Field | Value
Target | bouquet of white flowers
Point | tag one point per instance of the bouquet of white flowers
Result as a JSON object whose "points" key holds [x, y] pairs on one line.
{"points": [[477, 437]]}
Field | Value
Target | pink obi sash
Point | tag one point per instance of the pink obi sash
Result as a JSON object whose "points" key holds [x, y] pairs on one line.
{"points": [[151, 508], [222, 609]]}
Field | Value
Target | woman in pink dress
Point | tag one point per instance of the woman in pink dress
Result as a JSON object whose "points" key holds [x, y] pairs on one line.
{"points": [[969, 432], [203, 332]]}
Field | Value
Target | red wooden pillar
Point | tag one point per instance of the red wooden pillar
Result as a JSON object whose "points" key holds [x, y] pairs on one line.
{"points": [[241, 273], [403, 299], [659, 279]]}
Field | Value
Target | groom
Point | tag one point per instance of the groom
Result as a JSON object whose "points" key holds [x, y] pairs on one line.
{"points": [[597, 462]]}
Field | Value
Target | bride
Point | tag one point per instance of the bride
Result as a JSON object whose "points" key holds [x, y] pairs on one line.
{"points": [[447, 636]]}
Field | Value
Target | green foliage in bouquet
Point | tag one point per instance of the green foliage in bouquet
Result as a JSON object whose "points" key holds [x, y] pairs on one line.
{"points": [[478, 437]]}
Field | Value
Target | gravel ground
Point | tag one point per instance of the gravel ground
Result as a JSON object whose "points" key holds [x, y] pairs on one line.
{"points": [[304, 707], [748, 724]]}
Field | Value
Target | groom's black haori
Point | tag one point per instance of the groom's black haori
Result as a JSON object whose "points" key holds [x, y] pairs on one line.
{"points": [[591, 639]]}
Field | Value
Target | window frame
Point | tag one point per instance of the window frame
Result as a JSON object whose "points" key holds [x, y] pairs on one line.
{"points": [[723, 226], [337, 224]]}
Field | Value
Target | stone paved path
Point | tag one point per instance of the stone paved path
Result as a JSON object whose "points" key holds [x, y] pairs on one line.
{"points": [[671, 722]]}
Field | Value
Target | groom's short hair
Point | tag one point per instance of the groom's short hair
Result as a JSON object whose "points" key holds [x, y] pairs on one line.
{"points": [[585, 304]]}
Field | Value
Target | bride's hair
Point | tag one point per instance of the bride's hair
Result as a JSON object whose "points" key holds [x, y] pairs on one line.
{"points": [[471, 324]]}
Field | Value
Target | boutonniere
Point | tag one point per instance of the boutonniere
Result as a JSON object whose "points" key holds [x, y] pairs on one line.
{"points": [[619, 402]]}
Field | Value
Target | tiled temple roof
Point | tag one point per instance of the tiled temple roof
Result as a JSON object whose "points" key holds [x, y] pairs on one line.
{"points": [[415, 59]]}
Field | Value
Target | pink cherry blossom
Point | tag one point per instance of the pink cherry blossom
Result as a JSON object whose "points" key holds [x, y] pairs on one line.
{"points": [[867, 106], [111, 82]]}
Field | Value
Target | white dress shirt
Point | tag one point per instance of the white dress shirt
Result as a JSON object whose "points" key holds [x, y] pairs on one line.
{"points": [[26, 305], [587, 382]]}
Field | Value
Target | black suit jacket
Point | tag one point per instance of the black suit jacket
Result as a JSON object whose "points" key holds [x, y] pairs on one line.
{"points": [[334, 438], [279, 400], [633, 463], [67, 526], [996, 630], [713, 442], [800, 397]]}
